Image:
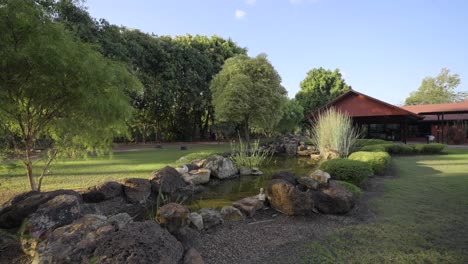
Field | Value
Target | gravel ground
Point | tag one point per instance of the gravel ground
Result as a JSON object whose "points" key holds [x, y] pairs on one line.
{"points": [[271, 237]]}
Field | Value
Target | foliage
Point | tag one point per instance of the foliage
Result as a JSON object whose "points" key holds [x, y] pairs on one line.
{"points": [[198, 155], [333, 131], [431, 189], [437, 90], [320, 87], [56, 88], [432, 148], [250, 157], [247, 92], [379, 161], [293, 114], [362, 142], [353, 171], [356, 191], [376, 148], [403, 149]]}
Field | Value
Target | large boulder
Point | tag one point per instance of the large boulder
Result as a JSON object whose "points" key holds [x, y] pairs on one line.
{"points": [[244, 171], [192, 256], [115, 206], [21, 206], [139, 242], [220, 166], [334, 199], [291, 148], [231, 214], [320, 176], [76, 242], [102, 192], [173, 216], [286, 176], [309, 182], [167, 180], [249, 205], [211, 217], [137, 190], [199, 176], [288, 199], [57, 212]]}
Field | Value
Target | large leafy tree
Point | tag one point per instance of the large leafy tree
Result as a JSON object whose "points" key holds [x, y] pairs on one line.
{"points": [[248, 92], [293, 114], [437, 90], [55, 89], [320, 87]]}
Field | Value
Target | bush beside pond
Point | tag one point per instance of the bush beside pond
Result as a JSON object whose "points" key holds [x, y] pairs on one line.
{"points": [[357, 192], [379, 161], [353, 171], [405, 149]]}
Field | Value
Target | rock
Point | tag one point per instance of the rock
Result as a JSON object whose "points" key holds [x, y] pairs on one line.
{"points": [[320, 176], [196, 221], [291, 149], [192, 167], [200, 176], [288, 199], [249, 205], [231, 214], [120, 220], [256, 171], [168, 180], [220, 166], [137, 190], [139, 242], [189, 237], [244, 171], [10, 249], [211, 217], [57, 212], [173, 216], [309, 182], [334, 199], [116, 206], [21, 206], [192, 256], [198, 162], [75, 242], [316, 157], [102, 192], [331, 154], [286, 176], [306, 152], [183, 148]]}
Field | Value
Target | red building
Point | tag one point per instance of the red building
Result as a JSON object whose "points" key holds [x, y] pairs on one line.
{"points": [[378, 119]]}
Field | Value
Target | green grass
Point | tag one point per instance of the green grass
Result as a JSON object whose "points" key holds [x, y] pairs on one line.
{"points": [[80, 174], [422, 217]]}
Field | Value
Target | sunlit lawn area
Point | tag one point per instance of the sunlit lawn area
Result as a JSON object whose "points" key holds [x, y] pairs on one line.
{"points": [[79, 174], [422, 217]]}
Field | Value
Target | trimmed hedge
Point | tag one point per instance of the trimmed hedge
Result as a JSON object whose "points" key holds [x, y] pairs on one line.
{"points": [[402, 149], [432, 148], [376, 148], [357, 192], [379, 161], [369, 142], [353, 171]]}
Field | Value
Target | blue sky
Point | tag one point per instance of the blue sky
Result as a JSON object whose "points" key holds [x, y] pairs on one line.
{"points": [[384, 48]]}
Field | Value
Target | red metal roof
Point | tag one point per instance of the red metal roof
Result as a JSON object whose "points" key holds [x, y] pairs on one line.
{"points": [[461, 107]]}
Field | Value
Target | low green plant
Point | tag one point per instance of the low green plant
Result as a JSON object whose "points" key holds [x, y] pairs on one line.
{"points": [[353, 171], [249, 157], [433, 148], [362, 142], [333, 131], [356, 191], [197, 156], [379, 161], [375, 148], [400, 149]]}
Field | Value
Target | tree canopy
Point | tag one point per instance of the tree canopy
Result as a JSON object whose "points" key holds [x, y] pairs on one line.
{"points": [[293, 114], [320, 87], [437, 90], [248, 92], [56, 89]]}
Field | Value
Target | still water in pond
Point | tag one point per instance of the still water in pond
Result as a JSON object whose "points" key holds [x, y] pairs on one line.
{"points": [[221, 193]]}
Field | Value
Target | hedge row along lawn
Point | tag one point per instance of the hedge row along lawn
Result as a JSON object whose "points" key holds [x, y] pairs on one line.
{"points": [[422, 217], [80, 174]]}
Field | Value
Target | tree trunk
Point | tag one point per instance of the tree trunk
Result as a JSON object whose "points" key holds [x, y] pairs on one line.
{"points": [[29, 171], [247, 132]]}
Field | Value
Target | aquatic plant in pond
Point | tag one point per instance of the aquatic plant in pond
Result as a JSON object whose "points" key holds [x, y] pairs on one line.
{"points": [[249, 157]]}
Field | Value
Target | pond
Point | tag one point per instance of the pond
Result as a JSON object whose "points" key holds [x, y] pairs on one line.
{"points": [[221, 193]]}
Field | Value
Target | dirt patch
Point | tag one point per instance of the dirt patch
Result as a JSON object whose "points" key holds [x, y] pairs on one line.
{"points": [[271, 237]]}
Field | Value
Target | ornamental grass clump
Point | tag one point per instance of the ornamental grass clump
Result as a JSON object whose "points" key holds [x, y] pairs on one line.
{"points": [[333, 131], [246, 156]]}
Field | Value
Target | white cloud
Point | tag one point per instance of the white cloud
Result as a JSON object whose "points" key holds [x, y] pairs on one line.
{"points": [[251, 2], [240, 14]]}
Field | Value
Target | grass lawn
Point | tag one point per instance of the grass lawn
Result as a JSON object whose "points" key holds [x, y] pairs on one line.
{"points": [[80, 174], [422, 217]]}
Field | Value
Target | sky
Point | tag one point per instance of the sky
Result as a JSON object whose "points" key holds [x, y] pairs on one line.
{"points": [[383, 48]]}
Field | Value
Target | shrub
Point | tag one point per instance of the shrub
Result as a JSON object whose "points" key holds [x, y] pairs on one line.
{"points": [[400, 149], [432, 148], [376, 148], [362, 142], [379, 161], [196, 156], [356, 191], [353, 171], [333, 131]]}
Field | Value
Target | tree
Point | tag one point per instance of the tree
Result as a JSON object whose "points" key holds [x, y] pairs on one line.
{"points": [[293, 114], [320, 87], [55, 89], [247, 92], [437, 90]]}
